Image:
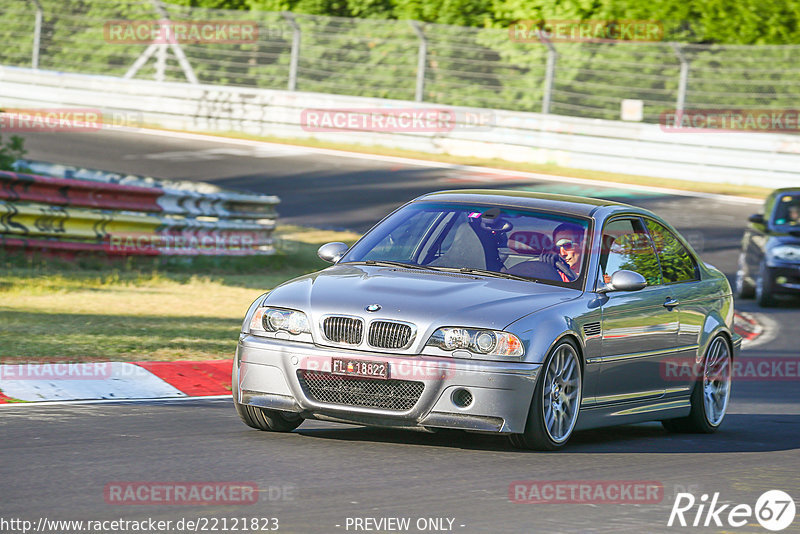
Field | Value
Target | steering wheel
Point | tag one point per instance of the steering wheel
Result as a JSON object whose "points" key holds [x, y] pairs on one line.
{"points": [[563, 266], [560, 264]]}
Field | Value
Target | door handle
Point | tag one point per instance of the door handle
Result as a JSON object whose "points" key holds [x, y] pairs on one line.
{"points": [[670, 303]]}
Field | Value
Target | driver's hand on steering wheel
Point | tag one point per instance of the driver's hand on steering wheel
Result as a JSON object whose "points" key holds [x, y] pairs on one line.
{"points": [[554, 260], [550, 258]]}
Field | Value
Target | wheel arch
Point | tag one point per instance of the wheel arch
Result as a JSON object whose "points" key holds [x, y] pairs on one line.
{"points": [[714, 325], [575, 338]]}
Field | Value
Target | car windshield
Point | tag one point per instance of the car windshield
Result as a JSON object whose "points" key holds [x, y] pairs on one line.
{"points": [[499, 241], [787, 211]]}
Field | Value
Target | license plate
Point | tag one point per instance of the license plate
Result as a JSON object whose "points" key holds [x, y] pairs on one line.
{"points": [[362, 368]]}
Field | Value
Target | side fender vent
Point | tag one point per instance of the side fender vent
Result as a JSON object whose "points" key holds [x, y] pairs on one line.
{"points": [[591, 329]]}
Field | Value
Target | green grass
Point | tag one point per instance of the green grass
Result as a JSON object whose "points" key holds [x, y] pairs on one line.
{"points": [[141, 309]]}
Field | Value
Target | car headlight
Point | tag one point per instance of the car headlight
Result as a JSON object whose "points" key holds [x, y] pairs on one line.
{"points": [[268, 319], [488, 342], [786, 253]]}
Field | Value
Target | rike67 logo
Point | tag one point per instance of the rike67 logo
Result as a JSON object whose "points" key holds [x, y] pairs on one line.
{"points": [[774, 510]]}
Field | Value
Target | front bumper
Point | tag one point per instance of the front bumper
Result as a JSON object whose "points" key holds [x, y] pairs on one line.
{"points": [[265, 374], [785, 277]]}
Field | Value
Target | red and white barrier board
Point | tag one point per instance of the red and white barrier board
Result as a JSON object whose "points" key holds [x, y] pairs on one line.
{"points": [[113, 380]]}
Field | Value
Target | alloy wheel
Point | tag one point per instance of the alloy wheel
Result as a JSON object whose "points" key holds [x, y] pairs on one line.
{"points": [[561, 393], [717, 381]]}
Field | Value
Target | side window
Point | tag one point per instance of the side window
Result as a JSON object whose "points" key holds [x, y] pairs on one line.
{"points": [[625, 245], [677, 264]]}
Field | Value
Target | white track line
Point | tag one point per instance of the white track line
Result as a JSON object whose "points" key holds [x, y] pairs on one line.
{"points": [[115, 401], [442, 165]]}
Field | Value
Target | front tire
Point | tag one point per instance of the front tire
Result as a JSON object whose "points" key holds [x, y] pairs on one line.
{"points": [[261, 418], [556, 402], [765, 287], [711, 393], [267, 420], [744, 289]]}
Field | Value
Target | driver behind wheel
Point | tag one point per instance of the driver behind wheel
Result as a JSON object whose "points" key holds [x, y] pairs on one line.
{"points": [[794, 214], [568, 239]]}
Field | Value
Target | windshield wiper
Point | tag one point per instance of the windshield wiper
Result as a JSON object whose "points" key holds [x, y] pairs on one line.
{"points": [[465, 270], [397, 264], [487, 272]]}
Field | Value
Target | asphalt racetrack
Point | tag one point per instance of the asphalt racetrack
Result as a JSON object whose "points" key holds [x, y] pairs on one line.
{"points": [[57, 460]]}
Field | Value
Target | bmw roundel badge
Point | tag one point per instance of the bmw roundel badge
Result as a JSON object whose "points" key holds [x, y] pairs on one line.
{"points": [[373, 307]]}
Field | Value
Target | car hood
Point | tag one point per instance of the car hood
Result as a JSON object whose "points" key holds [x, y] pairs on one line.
{"points": [[428, 299], [782, 240]]}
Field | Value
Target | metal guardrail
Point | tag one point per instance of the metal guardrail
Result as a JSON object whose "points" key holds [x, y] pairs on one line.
{"points": [[185, 198], [65, 214], [753, 158], [80, 193]]}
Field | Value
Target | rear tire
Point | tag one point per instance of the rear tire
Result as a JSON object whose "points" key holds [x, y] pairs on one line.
{"points": [[711, 392], [556, 402], [267, 420]]}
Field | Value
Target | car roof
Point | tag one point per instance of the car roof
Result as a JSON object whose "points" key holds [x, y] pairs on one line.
{"points": [[567, 204], [786, 190]]}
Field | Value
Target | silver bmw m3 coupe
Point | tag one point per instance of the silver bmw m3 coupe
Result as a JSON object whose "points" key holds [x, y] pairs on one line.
{"points": [[522, 314]]}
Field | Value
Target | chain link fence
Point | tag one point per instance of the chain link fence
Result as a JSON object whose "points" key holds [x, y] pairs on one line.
{"points": [[403, 60]]}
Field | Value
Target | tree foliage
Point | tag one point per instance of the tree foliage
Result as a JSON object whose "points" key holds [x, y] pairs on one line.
{"points": [[11, 151], [368, 48], [710, 21]]}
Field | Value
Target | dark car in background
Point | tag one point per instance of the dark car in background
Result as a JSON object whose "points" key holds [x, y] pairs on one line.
{"points": [[769, 263]]}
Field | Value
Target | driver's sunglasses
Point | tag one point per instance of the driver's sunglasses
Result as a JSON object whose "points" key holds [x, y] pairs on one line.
{"points": [[566, 244]]}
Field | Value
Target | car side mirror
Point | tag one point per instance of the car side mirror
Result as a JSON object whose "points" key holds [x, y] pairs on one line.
{"points": [[756, 218], [332, 252], [623, 280]]}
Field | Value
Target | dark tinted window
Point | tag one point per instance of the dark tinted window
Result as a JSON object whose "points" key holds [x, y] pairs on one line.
{"points": [[626, 246], [787, 212], [677, 264]]}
